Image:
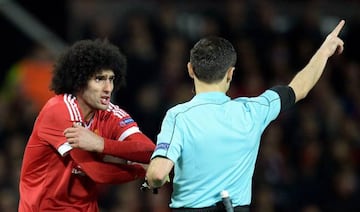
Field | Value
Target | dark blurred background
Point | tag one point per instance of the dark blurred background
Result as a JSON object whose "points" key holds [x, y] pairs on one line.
{"points": [[309, 157]]}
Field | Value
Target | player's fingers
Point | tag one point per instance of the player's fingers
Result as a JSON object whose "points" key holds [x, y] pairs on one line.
{"points": [[73, 129], [70, 134], [68, 130], [338, 28], [74, 143]]}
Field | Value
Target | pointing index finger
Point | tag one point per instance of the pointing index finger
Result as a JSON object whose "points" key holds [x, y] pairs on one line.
{"points": [[338, 28]]}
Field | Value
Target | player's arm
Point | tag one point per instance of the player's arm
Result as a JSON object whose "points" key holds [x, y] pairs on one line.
{"points": [[50, 130], [306, 79], [136, 147], [102, 172]]}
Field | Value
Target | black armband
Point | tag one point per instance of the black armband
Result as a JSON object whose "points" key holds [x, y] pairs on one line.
{"points": [[287, 96]]}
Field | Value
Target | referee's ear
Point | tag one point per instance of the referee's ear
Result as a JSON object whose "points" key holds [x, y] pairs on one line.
{"points": [[229, 74], [190, 70]]}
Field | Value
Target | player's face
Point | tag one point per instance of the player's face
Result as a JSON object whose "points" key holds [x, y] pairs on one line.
{"points": [[96, 95]]}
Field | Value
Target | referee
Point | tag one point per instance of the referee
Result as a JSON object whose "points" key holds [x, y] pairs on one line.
{"points": [[212, 141]]}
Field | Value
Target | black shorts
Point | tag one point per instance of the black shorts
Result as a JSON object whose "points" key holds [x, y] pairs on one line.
{"points": [[218, 208]]}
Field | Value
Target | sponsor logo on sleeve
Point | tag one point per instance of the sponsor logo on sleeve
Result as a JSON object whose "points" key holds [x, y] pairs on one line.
{"points": [[164, 146], [126, 121]]}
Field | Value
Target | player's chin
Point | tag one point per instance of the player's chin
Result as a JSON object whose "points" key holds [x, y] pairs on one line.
{"points": [[102, 106]]}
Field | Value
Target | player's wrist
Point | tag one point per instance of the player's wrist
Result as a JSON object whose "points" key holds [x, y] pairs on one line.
{"points": [[100, 145]]}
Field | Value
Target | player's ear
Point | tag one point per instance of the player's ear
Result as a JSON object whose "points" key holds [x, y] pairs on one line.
{"points": [[190, 70]]}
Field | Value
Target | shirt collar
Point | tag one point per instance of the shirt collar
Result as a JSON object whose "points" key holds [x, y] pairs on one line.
{"points": [[218, 96]]}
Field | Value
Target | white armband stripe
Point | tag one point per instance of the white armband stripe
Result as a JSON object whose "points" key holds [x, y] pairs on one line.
{"points": [[128, 132]]}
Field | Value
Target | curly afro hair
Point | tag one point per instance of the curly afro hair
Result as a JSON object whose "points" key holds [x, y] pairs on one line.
{"points": [[83, 60]]}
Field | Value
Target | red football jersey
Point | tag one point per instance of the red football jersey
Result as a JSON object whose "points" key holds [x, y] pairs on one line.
{"points": [[50, 180]]}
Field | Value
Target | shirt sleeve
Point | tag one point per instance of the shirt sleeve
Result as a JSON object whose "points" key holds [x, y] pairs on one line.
{"points": [[263, 108], [51, 126], [137, 148], [287, 96], [123, 138], [102, 172], [119, 124], [170, 139]]}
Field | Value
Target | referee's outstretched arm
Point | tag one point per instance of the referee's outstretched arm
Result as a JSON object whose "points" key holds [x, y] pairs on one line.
{"points": [[306, 79]]}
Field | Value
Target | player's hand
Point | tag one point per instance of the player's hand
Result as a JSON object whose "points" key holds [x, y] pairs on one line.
{"points": [[80, 137], [332, 42]]}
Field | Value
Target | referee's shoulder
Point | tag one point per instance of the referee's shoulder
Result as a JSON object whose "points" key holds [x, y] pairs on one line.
{"points": [[179, 108]]}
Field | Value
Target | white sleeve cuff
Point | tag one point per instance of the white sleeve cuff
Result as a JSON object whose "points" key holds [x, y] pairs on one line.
{"points": [[64, 149]]}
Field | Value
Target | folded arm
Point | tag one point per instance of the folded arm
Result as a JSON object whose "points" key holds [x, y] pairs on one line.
{"points": [[102, 172], [136, 147]]}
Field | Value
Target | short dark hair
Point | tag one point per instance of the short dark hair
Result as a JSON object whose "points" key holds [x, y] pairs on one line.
{"points": [[81, 61], [211, 57]]}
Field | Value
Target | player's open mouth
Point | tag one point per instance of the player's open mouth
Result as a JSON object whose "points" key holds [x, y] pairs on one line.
{"points": [[105, 100]]}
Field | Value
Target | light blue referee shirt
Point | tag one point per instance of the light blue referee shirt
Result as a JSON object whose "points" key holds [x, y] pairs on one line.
{"points": [[213, 142]]}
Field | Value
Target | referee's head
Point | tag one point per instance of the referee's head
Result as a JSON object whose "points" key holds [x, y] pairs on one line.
{"points": [[211, 58]]}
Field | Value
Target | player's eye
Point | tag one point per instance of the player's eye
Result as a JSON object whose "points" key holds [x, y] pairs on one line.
{"points": [[99, 78], [112, 78], [104, 78]]}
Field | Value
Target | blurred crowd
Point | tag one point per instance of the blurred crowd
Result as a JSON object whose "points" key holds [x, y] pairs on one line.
{"points": [[309, 158]]}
